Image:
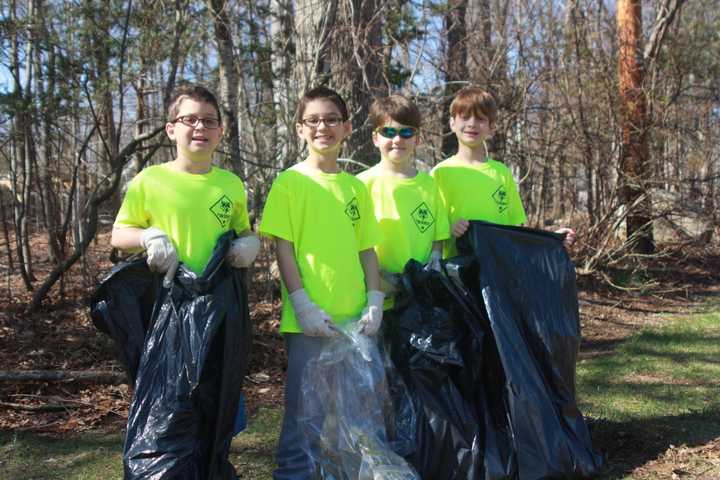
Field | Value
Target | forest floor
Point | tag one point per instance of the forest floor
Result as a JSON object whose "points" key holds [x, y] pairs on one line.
{"points": [[680, 280]]}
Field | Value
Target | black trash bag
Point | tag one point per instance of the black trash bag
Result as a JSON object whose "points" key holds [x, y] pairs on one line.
{"points": [[426, 344], [187, 368], [524, 281]]}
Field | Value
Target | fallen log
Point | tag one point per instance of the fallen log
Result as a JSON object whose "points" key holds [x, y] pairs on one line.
{"points": [[105, 377], [46, 407]]}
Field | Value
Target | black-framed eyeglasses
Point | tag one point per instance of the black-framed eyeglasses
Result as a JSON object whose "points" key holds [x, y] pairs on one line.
{"points": [[392, 132], [194, 121], [314, 122]]}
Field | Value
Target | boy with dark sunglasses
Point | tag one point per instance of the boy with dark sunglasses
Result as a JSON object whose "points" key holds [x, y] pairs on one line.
{"points": [[473, 185], [407, 202]]}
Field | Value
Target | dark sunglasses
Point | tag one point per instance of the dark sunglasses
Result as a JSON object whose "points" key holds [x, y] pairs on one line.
{"points": [[392, 132]]}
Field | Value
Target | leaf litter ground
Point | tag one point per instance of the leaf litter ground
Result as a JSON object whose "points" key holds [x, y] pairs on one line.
{"points": [[683, 278]]}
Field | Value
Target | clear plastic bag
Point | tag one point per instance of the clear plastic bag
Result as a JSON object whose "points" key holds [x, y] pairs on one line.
{"points": [[347, 415]]}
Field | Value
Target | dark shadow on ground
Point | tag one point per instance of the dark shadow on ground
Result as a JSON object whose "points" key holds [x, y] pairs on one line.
{"points": [[629, 445]]}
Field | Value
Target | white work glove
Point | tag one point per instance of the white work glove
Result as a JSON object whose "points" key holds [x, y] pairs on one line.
{"points": [[161, 254], [433, 262], [243, 251], [371, 317], [313, 320]]}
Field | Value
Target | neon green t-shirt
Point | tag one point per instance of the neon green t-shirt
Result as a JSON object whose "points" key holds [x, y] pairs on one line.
{"points": [[194, 210], [485, 191], [410, 214], [329, 219]]}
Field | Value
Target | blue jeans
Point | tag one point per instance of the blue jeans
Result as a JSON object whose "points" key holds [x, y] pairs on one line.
{"points": [[240, 418], [292, 460]]}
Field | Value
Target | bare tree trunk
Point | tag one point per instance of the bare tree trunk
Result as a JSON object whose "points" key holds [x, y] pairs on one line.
{"points": [[228, 72], [314, 23], [48, 191], [634, 157], [19, 171], [6, 235], [456, 72], [285, 86], [356, 69]]}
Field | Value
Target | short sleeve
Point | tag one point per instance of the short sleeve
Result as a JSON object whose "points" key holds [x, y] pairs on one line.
{"points": [[276, 213], [442, 225], [369, 232], [444, 205], [132, 212]]}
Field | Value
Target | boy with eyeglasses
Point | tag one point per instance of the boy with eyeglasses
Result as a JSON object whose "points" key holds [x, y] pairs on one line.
{"points": [[407, 202], [322, 221], [177, 211], [473, 185]]}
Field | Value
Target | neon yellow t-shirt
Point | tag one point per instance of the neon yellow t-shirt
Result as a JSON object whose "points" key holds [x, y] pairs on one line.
{"points": [[329, 219], [485, 191], [194, 210], [410, 214]]}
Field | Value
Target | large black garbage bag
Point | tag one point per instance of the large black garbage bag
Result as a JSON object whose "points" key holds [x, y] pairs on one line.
{"points": [[525, 281], [427, 345], [186, 348]]}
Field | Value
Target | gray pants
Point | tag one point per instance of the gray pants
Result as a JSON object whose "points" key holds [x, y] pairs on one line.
{"points": [[292, 460]]}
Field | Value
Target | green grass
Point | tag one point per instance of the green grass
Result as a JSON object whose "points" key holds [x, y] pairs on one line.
{"points": [[89, 456], [657, 390], [253, 451], [92, 456]]}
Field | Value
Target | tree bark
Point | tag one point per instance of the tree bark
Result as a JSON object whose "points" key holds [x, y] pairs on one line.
{"points": [[228, 73], [634, 155], [456, 70]]}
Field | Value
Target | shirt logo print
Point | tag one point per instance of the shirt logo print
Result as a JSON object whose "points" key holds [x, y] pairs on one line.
{"points": [[352, 210], [500, 197], [422, 217], [222, 209]]}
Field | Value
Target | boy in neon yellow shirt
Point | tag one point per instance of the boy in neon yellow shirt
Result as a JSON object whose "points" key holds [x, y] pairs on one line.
{"points": [[177, 211], [474, 186], [407, 203], [324, 229]]}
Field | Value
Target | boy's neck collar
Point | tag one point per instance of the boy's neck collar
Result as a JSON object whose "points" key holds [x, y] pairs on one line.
{"points": [[196, 167], [472, 155], [399, 171], [325, 164]]}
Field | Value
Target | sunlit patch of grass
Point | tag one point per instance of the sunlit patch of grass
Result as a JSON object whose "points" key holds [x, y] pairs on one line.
{"points": [[658, 390], [83, 457]]}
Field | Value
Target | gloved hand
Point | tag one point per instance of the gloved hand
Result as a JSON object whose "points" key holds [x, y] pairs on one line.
{"points": [[161, 254], [313, 320], [243, 251], [371, 317], [433, 262]]}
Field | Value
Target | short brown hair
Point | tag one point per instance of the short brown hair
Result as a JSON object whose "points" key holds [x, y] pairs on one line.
{"points": [[193, 92], [394, 107], [474, 101], [321, 93]]}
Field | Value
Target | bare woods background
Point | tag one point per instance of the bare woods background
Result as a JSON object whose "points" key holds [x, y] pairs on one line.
{"points": [[608, 110]]}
